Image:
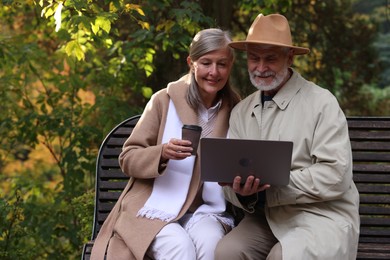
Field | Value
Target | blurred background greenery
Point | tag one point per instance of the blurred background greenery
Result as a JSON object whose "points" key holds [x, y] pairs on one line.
{"points": [[71, 70]]}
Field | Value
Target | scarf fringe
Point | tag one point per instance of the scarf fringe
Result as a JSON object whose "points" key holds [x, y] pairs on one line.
{"points": [[152, 213]]}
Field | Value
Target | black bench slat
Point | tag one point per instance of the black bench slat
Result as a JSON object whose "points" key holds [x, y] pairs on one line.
{"points": [[373, 256], [109, 163], [105, 207], [368, 122], [117, 141], [364, 135], [112, 174], [124, 131], [378, 247], [375, 221], [371, 157], [370, 142], [374, 199], [109, 195], [111, 152], [377, 232], [102, 217], [370, 146], [373, 188], [370, 178], [371, 168], [110, 185], [370, 209], [374, 239], [87, 251]]}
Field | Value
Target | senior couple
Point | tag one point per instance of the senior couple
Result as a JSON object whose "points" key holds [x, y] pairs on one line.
{"points": [[167, 212]]}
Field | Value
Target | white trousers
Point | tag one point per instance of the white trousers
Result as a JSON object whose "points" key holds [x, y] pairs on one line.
{"points": [[198, 243]]}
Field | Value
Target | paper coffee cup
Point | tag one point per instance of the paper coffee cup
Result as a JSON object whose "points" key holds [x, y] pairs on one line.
{"points": [[192, 133]]}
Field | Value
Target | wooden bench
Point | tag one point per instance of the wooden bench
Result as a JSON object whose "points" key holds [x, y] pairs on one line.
{"points": [[370, 139]]}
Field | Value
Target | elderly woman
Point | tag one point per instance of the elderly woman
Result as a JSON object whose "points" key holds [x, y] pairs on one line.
{"points": [[166, 211]]}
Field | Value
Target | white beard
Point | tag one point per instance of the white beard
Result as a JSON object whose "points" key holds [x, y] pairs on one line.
{"points": [[260, 83]]}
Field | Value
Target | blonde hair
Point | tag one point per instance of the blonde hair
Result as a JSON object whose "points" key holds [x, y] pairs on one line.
{"points": [[206, 41]]}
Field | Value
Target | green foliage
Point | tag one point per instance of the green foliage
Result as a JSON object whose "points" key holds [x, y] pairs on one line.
{"points": [[69, 72], [11, 215], [39, 222], [83, 208], [382, 44], [72, 70], [375, 101]]}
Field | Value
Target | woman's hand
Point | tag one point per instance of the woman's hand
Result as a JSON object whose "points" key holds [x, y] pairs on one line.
{"points": [[176, 149]]}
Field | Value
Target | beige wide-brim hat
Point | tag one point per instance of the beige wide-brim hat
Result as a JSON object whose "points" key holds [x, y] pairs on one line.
{"points": [[271, 30]]}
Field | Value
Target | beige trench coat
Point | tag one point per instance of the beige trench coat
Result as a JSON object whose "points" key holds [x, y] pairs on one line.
{"points": [[140, 160], [316, 216]]}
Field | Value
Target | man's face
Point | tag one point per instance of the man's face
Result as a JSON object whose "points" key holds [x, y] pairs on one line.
{"points": [[268, 67]]}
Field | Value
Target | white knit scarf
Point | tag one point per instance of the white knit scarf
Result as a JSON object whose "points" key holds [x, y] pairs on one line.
{"points": [[170, 190]]}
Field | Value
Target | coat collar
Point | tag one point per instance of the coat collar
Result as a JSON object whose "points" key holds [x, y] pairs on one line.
{"points": [[288, 91], [177, 91], [284, 96]]}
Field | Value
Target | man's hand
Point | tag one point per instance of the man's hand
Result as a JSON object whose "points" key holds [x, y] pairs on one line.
{"points": [[250, 187]]}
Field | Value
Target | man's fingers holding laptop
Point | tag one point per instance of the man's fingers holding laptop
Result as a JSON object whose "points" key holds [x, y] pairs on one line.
{"points": [[251, 186]]}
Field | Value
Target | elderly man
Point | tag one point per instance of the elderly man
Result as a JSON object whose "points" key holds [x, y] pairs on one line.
{"points": [[316, 215]]}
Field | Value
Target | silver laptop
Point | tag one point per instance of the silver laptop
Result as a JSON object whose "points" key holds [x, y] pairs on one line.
{"points": [[222, 159]]}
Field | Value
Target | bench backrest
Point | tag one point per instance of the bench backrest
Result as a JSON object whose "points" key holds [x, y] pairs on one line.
{"points": [[370, 140], [110, 180]]}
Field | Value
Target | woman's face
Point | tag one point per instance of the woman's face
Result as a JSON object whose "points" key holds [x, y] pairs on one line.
{"points": [[212, 71]]}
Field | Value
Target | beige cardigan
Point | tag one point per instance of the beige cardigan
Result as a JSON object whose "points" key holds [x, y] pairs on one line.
{"points": [[140, 160]]}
